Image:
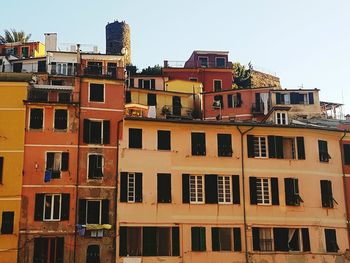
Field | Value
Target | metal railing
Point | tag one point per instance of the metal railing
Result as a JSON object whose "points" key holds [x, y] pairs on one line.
{"points": [[259, 109], [196, 64], [170, 111], [103, 72]]}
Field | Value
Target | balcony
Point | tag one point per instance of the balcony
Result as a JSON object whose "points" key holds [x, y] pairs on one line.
{"points": [[109, 72], [198, 64], [258, 109], [50, 94]]}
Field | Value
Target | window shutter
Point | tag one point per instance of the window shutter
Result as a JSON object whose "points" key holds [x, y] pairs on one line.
{"points": [[175, 241], [294, 98], [278, 98], [122, 241], [280, 239], [289, 191], [252, 188], [65, 161], [82, 212], [257, 101], [138, 187], [275, 194], [135, 138], [164, 140], [239, 100], [301, 148], [306, 239], [7, 222], [105, 211], [140, 83], [185, 188], [86, 135], [39, 207], [202, 242], [211, 189], [279, 146], [49, 160], [106, 132], [151, 99], [346, 148], [331, 240], [128, 96], [311, 98], [235, 189], [326, 193], [229, 101], [237, 246], [65, 207], [215, 242], [256, 238], [164, 188], [153, 84], [250, 143], [149, 241], [195, 238], [123, 186], [272, 146], [1, 168], [59, 249]]}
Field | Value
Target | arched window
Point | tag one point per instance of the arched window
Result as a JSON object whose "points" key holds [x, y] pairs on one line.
{"points": [[93, 254]]}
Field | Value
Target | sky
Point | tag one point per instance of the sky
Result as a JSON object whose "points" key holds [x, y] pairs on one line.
{"points": [[304, 42]]}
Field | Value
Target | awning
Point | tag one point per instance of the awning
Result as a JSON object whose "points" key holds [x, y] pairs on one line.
{"points": [[52, 87]]}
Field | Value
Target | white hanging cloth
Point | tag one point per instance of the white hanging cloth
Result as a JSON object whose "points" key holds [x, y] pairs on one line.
{"points": [[152, 113], [265, 98]]}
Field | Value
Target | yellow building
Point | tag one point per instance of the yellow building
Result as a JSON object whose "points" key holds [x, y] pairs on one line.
{"points": [[12, 115], [229, 192]]}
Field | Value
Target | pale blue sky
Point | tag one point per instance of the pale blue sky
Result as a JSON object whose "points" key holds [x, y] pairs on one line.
{"points": [[303, 41]]}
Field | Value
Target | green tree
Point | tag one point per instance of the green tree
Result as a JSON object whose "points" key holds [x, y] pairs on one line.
{"points": [[155, 70], [241, 75], [13, 35]]}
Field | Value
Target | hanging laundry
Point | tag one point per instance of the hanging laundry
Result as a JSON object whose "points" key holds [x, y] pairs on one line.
{"points": [[48, 175]]}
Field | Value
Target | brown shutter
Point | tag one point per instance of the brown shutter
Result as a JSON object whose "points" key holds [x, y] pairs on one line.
{"points": [[250, 144], [301, 148], [65, 207], [185, 188], [235, 189], [211, 189], [39, 207], [275, 192], [138, 187], [106, 132], [65, 161], [252, 188]]}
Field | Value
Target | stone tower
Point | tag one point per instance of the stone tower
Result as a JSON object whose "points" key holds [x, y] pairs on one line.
{"points": [[117, 38]]}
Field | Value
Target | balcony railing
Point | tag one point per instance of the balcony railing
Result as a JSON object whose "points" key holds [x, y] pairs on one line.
{"points": [[170, 112], [259, 109], [103, 72], [51, 94], [198, 64]]}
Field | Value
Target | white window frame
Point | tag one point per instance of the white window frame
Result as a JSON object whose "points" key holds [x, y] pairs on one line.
{"points": [[200, 64], [196, 189], [52, 207], [60, 152], [63, 68], [104, 92], [30, 112], [217, 80], [281, 117], [100, 212], [216, 62], [266, 198], [88, 163], [259, 145], [224, 184], [54, 117], [131, 187]]}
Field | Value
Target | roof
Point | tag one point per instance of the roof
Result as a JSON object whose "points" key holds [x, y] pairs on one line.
{"points": [[235, 123], [281, 90], [52, 87], [204, 52]]}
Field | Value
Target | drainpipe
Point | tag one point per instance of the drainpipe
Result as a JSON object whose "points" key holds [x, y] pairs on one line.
{"points": [[243, 192], [345, 188], [78, 154], [116, 190]]}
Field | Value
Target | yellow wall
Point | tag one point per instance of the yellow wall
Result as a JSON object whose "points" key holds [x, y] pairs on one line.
{"points": [[184, 86], [12, 116], [40, 52], [179, 161]]}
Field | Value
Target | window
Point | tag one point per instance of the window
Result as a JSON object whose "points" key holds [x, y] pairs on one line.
{"points": [[7, 222], [291, 187], [295, 98], [112, 69], [128, 96], [291, 239], [93, 211], [281, 118], [327, 194], [323, 151], [60, 119], [196, 189], [55, 163], [64, 97], [25, 52], [96, 131], [226, 239], [346, 150], [224, 189], [234, 100], [151, 99], [217, 85], [95, 170], [131, 187], [224, 145], [262, 239], [48, 249], [51, 207], [164, 140], [264, 191], [198, 143], [331, 240], [17, 67], [193, 79], [1, 169], [220, 62], [42, 66], [135, 138], [203, 62], [96, 92], [198, 239], [147, 84], [278, 147], [93, 254], [149, 241], [36, 118], [164, 188]]}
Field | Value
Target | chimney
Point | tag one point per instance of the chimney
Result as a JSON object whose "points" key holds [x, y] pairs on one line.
{"points": [[50, 42]]}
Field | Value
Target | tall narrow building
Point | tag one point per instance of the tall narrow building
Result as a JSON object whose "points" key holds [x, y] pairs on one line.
{"points": [[117, 38]]}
